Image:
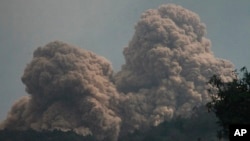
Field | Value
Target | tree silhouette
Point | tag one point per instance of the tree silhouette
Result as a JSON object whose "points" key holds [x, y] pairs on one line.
{"points": [[32, 135], [230, 101]]}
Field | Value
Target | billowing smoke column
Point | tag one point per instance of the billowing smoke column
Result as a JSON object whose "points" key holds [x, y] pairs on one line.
{"points": [[69, 89], [168, 63]]}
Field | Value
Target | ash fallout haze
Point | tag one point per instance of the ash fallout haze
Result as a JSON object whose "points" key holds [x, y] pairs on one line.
{"points": [[162, 74]]}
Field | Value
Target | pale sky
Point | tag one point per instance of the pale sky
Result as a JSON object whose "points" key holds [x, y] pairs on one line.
{"points": [[104, 27]]}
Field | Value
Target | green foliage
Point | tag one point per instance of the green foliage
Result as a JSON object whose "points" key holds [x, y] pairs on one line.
{"points": [[32, 135], [230, 101]]}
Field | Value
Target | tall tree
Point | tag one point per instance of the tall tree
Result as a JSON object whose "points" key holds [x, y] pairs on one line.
{"points": [[230, 101]]}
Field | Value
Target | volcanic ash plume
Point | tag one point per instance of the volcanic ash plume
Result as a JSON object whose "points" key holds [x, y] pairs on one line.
{"points": [[168, 62], [69, 89], [168, 65]]}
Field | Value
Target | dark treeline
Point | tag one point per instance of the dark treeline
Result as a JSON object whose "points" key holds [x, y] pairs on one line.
{"points": [[32, 135], [200, 126]]}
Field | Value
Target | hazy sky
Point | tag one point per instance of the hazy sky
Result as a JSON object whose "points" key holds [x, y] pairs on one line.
{"points": [[105, 27]]}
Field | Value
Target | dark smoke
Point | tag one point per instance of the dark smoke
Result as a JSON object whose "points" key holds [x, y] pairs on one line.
{"points": [[168, 64]]}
